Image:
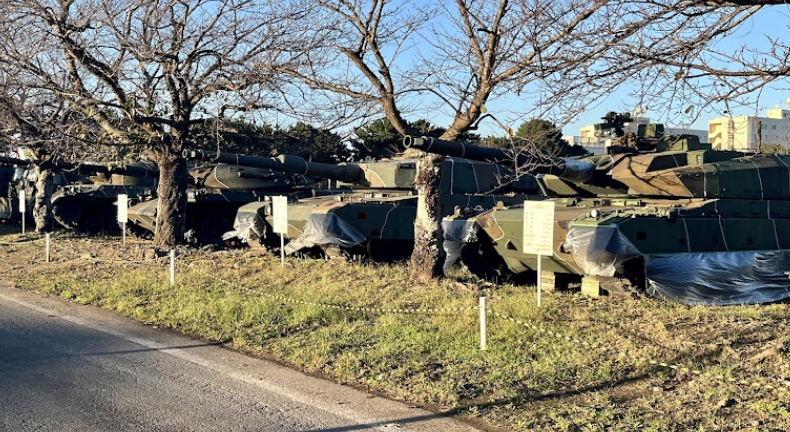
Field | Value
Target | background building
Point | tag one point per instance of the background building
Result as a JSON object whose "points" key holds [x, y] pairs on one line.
{"points": [[741, 133]]}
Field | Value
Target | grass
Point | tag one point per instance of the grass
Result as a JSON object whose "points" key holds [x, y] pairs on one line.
{"points": [[576, 364]]}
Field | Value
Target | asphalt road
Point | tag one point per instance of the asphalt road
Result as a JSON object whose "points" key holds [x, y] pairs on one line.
{"points": [[66, 367]]}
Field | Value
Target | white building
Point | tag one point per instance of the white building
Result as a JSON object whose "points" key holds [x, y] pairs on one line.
{"points": [[597, 143], [741, 133]]}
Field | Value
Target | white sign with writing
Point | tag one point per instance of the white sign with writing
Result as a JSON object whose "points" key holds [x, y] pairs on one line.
{"points": [[280, 214], [538, 227], [123, 208]]}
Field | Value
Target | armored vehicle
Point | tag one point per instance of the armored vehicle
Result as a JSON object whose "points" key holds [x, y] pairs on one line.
{"points": [[17, 175], [90, 206], [215, 193], [375, 217], [671, 217]]}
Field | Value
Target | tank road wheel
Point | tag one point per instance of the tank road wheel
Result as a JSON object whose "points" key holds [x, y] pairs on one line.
{"points": [[92, 223], [67, 212], [483, 261], [211, 228], [631, 282], [389, 250], [138, 232]]}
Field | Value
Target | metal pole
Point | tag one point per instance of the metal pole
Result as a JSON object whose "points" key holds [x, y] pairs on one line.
{"points": [[540, 272], [172, 267], [48, 255], [483, 324], [282, 250], [123, 236]]}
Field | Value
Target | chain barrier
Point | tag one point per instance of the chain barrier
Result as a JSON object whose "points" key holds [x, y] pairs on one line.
{"points": [[781, 384], [21, 242]]}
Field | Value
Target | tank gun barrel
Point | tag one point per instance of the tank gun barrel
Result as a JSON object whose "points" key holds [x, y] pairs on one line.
{"points": [[284, 163], [119, 169], [575, 170], [89, 168], [7, 160]]}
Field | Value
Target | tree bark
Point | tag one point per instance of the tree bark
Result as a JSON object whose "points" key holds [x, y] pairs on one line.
{"points": [[42, 206], [171, 209], [428, 256]]}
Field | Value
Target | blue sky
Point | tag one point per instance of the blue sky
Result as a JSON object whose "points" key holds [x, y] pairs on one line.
{"points": [[772, 21]]}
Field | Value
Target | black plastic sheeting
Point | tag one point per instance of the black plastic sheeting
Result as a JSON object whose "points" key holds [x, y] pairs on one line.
{"points": [[323, 230], [721, 278], [711, 278]]}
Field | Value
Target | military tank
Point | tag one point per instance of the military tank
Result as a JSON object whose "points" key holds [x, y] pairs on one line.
{"points": [[375, 216], [18, 175], [89, 206], [215, 193], [664, 215]]}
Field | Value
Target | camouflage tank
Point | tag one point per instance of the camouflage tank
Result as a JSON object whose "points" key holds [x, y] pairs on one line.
{"points": [[215, 193], [17, 175], [90, 206], [667, 215], [375, 216]]}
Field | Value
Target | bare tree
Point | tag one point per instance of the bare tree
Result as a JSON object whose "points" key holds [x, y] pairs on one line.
{"points": [[696, 60], [145, 71], [455, 57], [47, 128]]}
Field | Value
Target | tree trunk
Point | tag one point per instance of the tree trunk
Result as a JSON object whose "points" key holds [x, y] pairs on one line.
{"points": [[428, 256], [42, 206], [171, 210]]}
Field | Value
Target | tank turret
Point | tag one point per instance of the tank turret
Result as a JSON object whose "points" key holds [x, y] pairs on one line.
{"points": [[464, 176], [671, 208], [90, 206], [220, 184], [283, 164], [375, 216]]}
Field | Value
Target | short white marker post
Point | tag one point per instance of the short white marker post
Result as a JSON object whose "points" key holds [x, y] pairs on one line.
{"points": [[22, 208], [540, 279], [280, 222], [172, 267], [47, 248], [123, 214], [483, 324]]}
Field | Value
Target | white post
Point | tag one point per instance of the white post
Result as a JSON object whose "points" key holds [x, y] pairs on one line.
{"points": [[48, 255], [172, 267], [22, 208], [540, 283], [282, 250], [123, 215], [483, 324]]}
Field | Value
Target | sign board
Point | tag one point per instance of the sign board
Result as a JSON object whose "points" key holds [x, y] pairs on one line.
{"points": [[22, 202], [538, 228], [123, 208], [280, 214]]}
